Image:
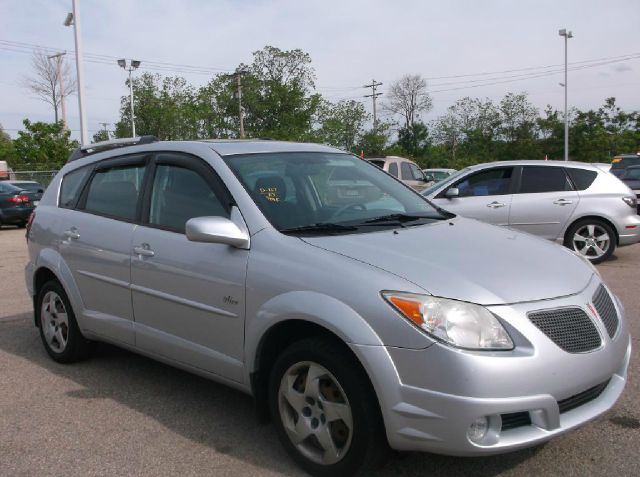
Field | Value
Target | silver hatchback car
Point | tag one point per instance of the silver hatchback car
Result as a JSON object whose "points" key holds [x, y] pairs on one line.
{"points": [[573, 203], [357, 321]]}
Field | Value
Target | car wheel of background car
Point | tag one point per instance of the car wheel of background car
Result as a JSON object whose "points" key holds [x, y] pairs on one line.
{"points": [[325, 410], [58, 327], [592, 239]]}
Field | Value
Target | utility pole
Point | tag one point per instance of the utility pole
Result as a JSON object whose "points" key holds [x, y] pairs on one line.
{"points": [[373, 96], [238, 75], [74, 19], [60, 76], [566, 34]]}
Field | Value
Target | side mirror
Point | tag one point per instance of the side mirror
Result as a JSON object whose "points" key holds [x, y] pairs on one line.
{"points": [[218, 230], [452, 192], [429, 178]]}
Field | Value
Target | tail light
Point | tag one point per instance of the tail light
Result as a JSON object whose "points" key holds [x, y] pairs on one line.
{"points": [[19, 199], [29, 224]]}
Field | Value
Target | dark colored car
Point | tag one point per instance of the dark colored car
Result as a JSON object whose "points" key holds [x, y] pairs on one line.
{"points": [[31, 186], [620, 163], [631, 177], [16, 204]]}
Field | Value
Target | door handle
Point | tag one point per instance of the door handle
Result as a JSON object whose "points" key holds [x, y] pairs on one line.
{"points": [[563, 202], [72, 233], [495, 204], [143, 250]]}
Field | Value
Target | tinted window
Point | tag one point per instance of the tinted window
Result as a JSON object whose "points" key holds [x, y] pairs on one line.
{"points": [[6, 188], [114, 192], [181, 194], [488, 182], [72, 187], [633, 174], [582, 178], [393, 169], [416, 172], [536, 179], [406, 171], [378, 163]]}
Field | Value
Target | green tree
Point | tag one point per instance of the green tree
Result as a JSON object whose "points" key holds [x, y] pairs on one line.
{"points": [[42, 146], [373, 143], [7, 151], [414, 140], [101, 135], [518, 120], [341, 124]]}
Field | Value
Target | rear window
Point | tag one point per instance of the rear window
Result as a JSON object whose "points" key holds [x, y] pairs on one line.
{"points": [[581, 178], [622, 162], [537, 179], [6, 188], [29, 186], [380, 164], [71, 187]]}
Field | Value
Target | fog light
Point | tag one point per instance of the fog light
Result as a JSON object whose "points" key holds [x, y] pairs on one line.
{"points": [[478, 429]]}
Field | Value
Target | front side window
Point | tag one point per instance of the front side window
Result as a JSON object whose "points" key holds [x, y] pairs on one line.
{"points": [[405, 169], [495, 181], [537, 179], [114, 192], [416, 172], [180, 194], [296, 190]]}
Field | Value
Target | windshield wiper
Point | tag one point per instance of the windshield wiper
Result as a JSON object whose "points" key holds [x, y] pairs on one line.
{"points": [[394, 219], [327, 227]]}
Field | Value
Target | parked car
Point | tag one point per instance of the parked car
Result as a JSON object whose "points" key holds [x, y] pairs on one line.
{"points": [[355, 325], [404, 169], [35, 188], [438, 175], [621, 162], [631, 177], [572, 203], [16, 204]]}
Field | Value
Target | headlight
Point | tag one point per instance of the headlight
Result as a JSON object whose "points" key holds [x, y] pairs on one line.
{"points": [[631, 201], [457, 323]]}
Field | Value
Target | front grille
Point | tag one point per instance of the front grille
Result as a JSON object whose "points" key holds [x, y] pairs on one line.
{"points": [[570, 328], [582, 398], [515, 419], [606, 309]]}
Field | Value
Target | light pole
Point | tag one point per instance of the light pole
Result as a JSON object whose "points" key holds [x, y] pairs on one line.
{"points": [[133, 65], [74, 19], [566, 34]]}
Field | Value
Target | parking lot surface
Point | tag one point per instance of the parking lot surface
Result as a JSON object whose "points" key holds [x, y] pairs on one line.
{"points": [[122, 414]]}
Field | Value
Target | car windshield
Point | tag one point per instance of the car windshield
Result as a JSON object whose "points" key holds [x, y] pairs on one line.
{"points": [[327, 193], [444, 182], [632, 174]]}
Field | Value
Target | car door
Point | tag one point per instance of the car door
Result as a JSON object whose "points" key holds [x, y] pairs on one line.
{"points": [[484, 195], [95, 244], [188, 297], [544, 201]]}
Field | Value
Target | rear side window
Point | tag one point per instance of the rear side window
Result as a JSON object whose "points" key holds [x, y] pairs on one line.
{"points": [[180, 194], [537, 179], [393, 169], [72, 187], [114, 192], [581, 178]]}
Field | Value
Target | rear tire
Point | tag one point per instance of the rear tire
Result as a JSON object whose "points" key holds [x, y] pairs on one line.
{"points": [[329, 423], [592, 238], [59, 330]]}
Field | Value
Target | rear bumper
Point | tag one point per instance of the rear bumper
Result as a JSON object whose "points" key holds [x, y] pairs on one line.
{"points": [[15, 215], [629, 230]]}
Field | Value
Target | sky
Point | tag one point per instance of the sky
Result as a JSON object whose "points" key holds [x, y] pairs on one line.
{"points": [[459, 46]]}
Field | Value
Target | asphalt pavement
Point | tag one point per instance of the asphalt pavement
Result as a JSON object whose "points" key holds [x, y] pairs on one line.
{"points": [[122, 414]]}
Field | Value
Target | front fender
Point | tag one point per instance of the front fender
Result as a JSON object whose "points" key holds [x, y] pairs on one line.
{"points": [[314, 307]]}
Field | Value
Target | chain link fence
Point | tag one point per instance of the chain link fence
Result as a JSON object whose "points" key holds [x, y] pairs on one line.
{"points": [[43, 177]]}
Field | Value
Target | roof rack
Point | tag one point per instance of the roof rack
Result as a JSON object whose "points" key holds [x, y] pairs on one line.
{"points": [[88, 149]]}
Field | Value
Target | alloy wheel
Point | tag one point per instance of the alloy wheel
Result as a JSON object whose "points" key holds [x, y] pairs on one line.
{"points": [[315, 412], [54, 321], [591, 241]]}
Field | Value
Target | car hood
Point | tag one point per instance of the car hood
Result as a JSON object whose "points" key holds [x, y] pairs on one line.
{"points": [[468, 260]]}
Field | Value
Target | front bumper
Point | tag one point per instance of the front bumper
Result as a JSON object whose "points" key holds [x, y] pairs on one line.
{"points": [[430, 397]]}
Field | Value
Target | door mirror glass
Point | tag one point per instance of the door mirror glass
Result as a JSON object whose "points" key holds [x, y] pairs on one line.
{"points": [[452, 192], [216, 230], [429, 178]]}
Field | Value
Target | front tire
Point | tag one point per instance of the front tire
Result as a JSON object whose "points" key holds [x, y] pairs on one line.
{"points": [[325, 409], [591, 238], [59, 330]]}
